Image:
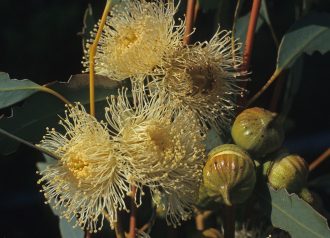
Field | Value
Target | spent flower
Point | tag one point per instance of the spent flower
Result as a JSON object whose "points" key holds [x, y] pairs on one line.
{"points": [[204, 78]]}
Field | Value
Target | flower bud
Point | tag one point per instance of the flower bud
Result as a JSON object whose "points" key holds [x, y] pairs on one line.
{"points": [[229, 174]]}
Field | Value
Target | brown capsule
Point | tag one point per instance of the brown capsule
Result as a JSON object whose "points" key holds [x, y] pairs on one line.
{"points": [[257, 131], [288, 172], [229, 174]]}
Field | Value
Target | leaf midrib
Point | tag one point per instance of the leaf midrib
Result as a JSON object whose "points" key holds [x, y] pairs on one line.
{"points": [[295, 220]]}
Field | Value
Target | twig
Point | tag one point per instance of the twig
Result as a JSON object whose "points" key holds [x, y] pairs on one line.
{"points": [[132, 219], [197, 7], [119, 230], [249, 45], [54, 93], [320, 159], [267, 84], [92, 55], [150, 223], [190, 13], [229, 222], [117, 225], [250, 34], [88, 235], [200, 218], [277, 93]]}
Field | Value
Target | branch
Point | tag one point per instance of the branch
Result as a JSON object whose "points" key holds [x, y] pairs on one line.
{"points": [[190, 15], [132, 219], [320, 159], [250, 34]]}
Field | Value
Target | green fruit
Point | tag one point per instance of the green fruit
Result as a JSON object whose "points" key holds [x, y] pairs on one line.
{"points": [[229, 174], [288, 172], [257, 131]]}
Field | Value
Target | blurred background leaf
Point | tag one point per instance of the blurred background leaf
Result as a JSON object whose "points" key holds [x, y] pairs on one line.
{"points": [[41, 110]]}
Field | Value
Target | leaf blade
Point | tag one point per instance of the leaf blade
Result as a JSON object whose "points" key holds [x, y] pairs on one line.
{"points": [[308, 35], [292, 214], [13, 90]]}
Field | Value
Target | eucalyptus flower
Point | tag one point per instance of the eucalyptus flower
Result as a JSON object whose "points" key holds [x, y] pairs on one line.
{"points": [[136, 39], [164, 147], [87, 182], [204, 78]]}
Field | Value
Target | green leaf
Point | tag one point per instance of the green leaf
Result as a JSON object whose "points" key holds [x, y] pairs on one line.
{"points": [[292, 214], [41, 110], [67, 230], [310, 34], [13, 90]]}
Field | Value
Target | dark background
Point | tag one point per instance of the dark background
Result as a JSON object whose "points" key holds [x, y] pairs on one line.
{"points": [[39, 40]]}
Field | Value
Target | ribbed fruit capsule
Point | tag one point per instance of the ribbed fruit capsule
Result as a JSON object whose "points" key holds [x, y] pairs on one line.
{"points": [[229, 174], [257, 131], [290, 172]]}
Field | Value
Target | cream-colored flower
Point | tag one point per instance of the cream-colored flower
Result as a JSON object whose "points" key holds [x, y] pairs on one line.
{"points": [[204, 78], [138, 36], [87, 182], [165, 149]]}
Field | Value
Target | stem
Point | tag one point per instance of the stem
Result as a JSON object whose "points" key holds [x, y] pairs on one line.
{"points": [[42, 89], [200, 218], [87, 234], [320, 159], [250, 34], [190, 13], [277, 94], [249, 45], [229, 222], [119, 230], [132, 219], [267, 84], [150, 223], [5, 133], [92, 55], [54, 93]]}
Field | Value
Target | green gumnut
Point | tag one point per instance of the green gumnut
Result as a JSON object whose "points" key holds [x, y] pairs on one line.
{"points": [[257, 131], [288, 172]]}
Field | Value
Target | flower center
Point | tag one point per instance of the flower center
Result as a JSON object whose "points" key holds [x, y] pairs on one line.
{"points": [[202, 80], [159, 136], [77, 165], [126, 38]]}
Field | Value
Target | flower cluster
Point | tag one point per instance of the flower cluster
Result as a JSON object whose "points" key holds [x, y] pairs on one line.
{"points": [[153, 135]]}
